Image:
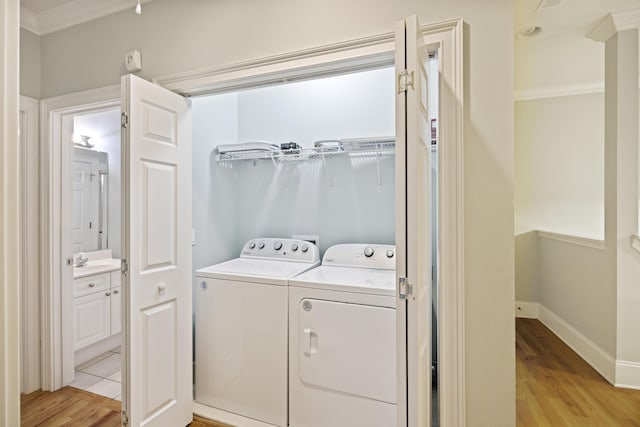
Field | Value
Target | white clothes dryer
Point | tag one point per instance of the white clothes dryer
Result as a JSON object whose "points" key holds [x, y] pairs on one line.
{"points": [[241, 331], [342, 340]]}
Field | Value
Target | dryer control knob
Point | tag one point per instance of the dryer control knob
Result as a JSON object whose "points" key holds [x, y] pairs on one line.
{"points": [[389, 253], [277, 246], [294, 247], [252, 245], [261, 245], [305, 248], [368, 251]]}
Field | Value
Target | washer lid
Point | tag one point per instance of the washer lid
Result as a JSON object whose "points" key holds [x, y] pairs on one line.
{"points": [[256, 270], [348, 279]]}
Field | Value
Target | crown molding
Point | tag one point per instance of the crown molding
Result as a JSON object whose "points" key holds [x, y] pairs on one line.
{"points": [[28, 20], [72, 13], [615, 22]]}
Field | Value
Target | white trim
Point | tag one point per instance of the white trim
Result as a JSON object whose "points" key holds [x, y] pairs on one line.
{"points": [[449, 36], [9, 214], [572, 239], [625, 373], [615, 22], [29, 205], [357, 54], [224, 417], [72, 13], [635, 242], [28, 20], [558, 91], [628, 374], [57, 346], [305, 64], [595, 356], [527, 310]]}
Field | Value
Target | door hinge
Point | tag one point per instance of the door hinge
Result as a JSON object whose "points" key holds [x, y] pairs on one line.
{"points": [[125, 418], [124, 266], [404, 288], [405, 80], [124, 120]]}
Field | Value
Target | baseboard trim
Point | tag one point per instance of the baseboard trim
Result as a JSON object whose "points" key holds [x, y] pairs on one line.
{"points": [[595, 356], [215, 414], [628, 374], [621, 373], [527, 310]]}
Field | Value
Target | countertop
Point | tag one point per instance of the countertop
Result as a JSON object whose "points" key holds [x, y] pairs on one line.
{"points": [[96, 267]]}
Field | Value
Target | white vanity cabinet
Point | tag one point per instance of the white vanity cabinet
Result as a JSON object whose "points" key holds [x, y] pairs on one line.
{"points": [[116, 302], [96, 308]]}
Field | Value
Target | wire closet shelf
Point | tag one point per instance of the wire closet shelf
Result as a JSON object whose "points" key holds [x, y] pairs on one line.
{"points": [[354, 147]]}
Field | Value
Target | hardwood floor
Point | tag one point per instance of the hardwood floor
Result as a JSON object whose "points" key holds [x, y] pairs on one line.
{"points": [[555, 387], [73, 407]]}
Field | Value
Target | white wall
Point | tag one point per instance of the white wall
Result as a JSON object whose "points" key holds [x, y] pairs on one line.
{"points": [[215, 121], [559, 165], [296, 198], [577, 283], [574, 63], [239, 201], [180, 36], [348, 106], [30, 64], [104, 129]]}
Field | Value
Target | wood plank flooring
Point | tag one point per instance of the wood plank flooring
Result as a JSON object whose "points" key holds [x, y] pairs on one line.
{"points": [[73, 407], [555, 387]]}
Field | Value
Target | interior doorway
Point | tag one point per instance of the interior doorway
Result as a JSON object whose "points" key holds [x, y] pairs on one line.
{"points": [[59, 116]]}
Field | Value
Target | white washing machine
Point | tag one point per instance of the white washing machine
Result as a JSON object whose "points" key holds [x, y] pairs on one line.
{"points": [[342, 340], [241, 330]]}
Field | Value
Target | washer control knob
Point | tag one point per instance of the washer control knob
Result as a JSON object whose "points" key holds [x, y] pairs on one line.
{"points": [[294, 247], [277, 246], [305, 248], [368, 251], [261, 245], [389, 253], [252, 245]]}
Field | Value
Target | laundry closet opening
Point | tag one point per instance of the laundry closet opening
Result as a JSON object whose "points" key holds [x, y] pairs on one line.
{"points": [[310, 160]]}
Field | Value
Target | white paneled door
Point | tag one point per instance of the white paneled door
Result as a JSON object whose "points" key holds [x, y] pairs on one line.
{"points": [[413, 232], [85, 190], [156, 203]]}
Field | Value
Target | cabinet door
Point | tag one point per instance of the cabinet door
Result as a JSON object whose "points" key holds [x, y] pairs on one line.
{"points": [[116, 298], [91, 315]]}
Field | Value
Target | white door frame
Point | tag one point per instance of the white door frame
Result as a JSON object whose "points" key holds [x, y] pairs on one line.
{"points": [[56, 123], [447, 37], [30, 237], [9, 214]]}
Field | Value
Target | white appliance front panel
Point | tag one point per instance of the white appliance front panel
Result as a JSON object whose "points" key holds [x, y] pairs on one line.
{"points": [[348, 348], [348, 279], [241, 348], [256, 270], [313, 405]]}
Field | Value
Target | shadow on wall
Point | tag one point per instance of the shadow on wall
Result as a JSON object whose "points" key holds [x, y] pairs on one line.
{"points": [[526, 266]]}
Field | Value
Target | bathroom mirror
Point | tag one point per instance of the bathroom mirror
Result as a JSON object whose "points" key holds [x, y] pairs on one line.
{"points": [[90, 200]]}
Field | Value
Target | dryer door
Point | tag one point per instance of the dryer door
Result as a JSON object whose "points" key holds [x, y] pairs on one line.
{"points": [[348, 348]]}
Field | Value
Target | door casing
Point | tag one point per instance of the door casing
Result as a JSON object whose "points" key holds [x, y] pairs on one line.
{"points": [[354, 55]]}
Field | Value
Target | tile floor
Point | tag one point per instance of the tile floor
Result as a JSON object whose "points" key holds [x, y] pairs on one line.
{"points": [[102, 375]]}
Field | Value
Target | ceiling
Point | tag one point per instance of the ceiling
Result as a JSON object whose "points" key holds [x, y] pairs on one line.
{"points": [[560, 18], [47, 16], [561, 57]]}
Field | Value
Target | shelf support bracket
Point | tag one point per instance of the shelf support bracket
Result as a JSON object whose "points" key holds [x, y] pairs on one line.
{"points": [[326, 171]]}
